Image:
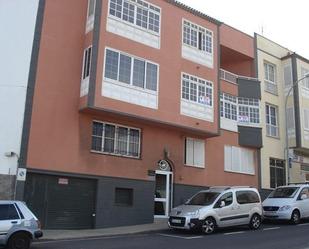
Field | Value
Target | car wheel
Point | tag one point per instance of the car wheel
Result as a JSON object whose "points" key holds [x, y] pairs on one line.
{"points": [[255, 222], [209, 225], [19, 241], [295, 217]]}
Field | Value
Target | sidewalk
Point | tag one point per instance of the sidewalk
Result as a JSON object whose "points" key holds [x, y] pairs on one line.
{"points": [[77, 234]]}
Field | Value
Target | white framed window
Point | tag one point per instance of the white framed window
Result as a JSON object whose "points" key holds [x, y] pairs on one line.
{"points": [[195, 152], [197, 37], [228, 106], [115, 139], [87, 62], [197, 90], [137, 12], [129, 70], [272, 125], [270, 78], [248, 110], [306, 119], [90, 15], [290, 121], [238, 160], [288, 78], [305, 82]]}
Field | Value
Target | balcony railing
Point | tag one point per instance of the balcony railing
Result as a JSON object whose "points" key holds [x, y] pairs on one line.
{"points": [[232, 78]]}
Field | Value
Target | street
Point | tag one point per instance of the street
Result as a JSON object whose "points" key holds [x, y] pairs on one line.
{"points": [[270, 236]]}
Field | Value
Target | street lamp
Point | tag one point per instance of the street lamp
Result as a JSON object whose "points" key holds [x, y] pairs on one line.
{"points": [[286, 124]]}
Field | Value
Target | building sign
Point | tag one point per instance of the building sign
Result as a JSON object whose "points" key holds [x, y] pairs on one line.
{"points": [[63, 181], [21, 174], [204, 100], [243, 119]]}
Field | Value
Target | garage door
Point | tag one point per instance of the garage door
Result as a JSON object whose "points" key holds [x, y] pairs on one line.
{"points": [[61, 202]]}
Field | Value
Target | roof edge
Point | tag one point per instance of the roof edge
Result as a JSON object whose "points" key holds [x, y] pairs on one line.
{"points": [[194, 11]]}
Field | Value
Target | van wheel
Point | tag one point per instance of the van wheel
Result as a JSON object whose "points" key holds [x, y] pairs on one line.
{"points": [[19, 241], [255, 222], [209, 226], [295, 217]]}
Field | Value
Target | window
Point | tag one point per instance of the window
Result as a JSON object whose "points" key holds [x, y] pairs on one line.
{"points": [[288, 76], [123, 197], [137, 12], [290, 120], [247, 197], [277, 173], [228, 106], [272, 127], [227, 198], [132, 71], [304, 191], [248, 110], [114, 139], [306, 119], [270, 78], [8, 212], [239, 160], [197, 37], [197, 90], [91, 8], [305, 71], [195, 152], [87, 63]]}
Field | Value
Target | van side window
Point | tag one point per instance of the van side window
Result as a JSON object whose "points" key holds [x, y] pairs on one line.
{"points": [[305, 191], [246, 197], [227, 198], [8, 212]]}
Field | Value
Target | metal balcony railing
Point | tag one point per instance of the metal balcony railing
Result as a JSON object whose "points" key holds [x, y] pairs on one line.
{"points": [[232, 78]]}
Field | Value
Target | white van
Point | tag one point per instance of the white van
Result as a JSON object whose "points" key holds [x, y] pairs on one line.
{"points": [[219, 207], [288, 203]]}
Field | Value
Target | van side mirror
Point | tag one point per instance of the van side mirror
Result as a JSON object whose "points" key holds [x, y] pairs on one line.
{"points": [[303, 197], [222, 204]]}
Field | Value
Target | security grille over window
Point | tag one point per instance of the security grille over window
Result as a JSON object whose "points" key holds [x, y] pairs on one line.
{"points": [[197, 90], [228, 76], [197, 37], [115, 139], [277, 173], [137, 12]]}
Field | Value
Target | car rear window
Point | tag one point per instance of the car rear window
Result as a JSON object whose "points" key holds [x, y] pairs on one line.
{"points": [[245, 197], [8, 212]]}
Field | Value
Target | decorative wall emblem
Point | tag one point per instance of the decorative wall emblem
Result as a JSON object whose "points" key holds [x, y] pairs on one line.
{"points": [[164, 165]]}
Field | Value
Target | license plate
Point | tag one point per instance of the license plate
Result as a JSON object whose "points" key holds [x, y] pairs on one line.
{"points": [[176, 221]]}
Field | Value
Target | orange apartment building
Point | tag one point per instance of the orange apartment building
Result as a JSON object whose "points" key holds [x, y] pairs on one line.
{"points": [[123, 117]]}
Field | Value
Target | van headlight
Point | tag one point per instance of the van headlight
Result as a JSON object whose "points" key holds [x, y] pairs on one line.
{"points": [[194, 213], [284, 208]]}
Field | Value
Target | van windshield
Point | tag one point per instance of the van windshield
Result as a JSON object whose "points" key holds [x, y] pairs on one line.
{"points": [[203, 199], [286, 192]]}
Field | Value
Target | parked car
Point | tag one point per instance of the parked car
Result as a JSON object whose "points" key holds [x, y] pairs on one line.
{"points": [[18, 225], [287, 203], [219, 207]]}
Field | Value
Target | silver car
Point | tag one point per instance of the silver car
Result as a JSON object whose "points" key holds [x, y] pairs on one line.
{"points": [[18, 225], [219, 207], [289, 203]]}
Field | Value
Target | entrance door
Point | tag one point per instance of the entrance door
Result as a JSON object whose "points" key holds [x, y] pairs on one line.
{"points": [[163, 193]]}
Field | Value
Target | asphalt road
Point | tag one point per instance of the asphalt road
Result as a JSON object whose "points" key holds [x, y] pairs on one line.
{"points": [[270, 236]]}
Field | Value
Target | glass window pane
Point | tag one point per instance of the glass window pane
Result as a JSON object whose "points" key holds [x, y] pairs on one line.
{"points": [[122, 141], [111, 65], [139, 73], [109, 138], [151, 77], [8, 212], [125, 69], [134, 141]]}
